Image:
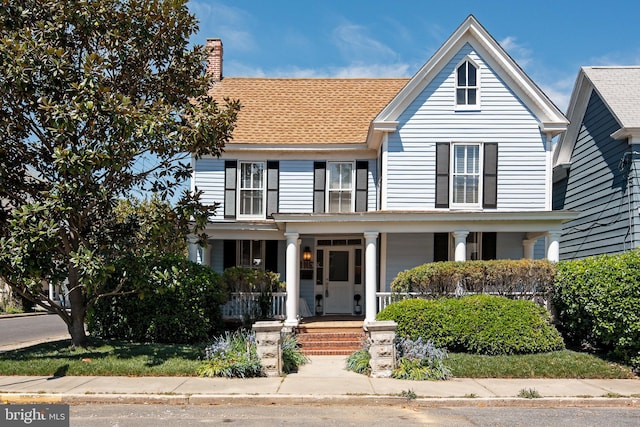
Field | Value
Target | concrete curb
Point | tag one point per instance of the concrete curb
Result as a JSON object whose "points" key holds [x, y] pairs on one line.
{"points": [[307, 400]]}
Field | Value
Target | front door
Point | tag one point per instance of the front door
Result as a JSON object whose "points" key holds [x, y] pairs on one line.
{"points": [[339, 281]]}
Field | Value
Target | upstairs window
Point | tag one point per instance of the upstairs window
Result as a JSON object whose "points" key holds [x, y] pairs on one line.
{"points": [[465, 177], [251, 192], [467, 85], [340, 187]]}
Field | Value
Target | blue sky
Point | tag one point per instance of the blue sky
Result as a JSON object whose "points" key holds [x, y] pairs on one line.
{"points": [[359, 38]]}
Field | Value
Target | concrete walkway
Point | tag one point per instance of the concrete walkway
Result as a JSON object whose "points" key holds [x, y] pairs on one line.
{"points": [[322, 381]]}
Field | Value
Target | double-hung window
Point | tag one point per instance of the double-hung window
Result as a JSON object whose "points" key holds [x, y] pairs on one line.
{"points": [[340, 178], [251, 192], [467, 86], [465, 176]]}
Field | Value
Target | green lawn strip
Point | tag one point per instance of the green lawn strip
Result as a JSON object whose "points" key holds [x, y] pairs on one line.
{"points": [[557, 364], [102, 358]]}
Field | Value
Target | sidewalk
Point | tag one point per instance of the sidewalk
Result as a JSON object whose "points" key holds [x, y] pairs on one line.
{"points": [[322, 381]]}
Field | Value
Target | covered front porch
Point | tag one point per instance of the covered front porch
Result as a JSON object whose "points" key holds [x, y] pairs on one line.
{"points": [[343, 263]]}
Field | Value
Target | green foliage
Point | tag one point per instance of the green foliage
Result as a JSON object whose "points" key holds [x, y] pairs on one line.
{"points": [[232, 355], [292, 356], [529, 393], [171, 300], [358, 362], [598, 304], [418, 360], [497, 276], [243, 279], [98, 99], [481, 324]]}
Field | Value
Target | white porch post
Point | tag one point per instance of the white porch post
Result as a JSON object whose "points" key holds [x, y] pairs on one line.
{"points": [[193, 249], [292, 280], [528, 245], [553, 246], [461, 245], [371, 276], [206, 255]]}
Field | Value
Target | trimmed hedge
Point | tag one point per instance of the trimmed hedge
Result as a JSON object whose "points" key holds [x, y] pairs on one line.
{"points": [[176, 301], [500, 276], [598, 304], [481, 324]]}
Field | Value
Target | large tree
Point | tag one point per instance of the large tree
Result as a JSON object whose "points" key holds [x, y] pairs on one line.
{"points": [[98, 98]]}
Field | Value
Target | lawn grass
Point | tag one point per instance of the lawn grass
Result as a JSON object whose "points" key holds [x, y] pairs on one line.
{"points": [[102, 358], [557, 364], [132, 359]]}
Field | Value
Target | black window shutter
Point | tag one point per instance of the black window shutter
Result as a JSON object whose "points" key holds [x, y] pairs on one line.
{"points": [[440, 247], [319, 176], [489, 245], [490, 176], [273, 186], [229, 254], [230, 178], [362, 172], [442, 174]]}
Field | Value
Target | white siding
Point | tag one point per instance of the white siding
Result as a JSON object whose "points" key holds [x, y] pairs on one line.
{"points": [[296, 186], [372, 190], [432, 118], [405, 251], [209, 177]]}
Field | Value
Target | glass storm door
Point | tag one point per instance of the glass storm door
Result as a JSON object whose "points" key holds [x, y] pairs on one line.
{"points": [[339, 281]]}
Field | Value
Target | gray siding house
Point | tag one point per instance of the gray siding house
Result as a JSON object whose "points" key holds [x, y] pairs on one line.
{"points": [[339, 184], [596, 163]]}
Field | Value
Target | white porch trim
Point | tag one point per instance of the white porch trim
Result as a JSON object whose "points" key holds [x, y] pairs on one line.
{"points": [[292, 279]]}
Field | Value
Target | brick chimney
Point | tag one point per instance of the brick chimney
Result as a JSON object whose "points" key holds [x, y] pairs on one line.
{"points": [[214, 61]]}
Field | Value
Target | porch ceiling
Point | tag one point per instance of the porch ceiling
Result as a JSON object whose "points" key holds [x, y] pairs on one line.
{"points": [[423, 221]]}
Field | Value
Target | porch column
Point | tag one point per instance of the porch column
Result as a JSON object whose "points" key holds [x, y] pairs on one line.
{"points": [[206, 255], [292, 280], [371, 276], [461, 245], [193, 249], [553, 246], [528, 245]]}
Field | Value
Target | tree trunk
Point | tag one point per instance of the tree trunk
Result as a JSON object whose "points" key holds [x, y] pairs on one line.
{"points": [[78, 311]]}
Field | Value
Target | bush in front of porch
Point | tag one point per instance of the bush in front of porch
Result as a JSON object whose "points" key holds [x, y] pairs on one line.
{"points": [[480, 324]]}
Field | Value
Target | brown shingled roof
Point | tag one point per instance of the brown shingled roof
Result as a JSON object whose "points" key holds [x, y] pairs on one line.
{"points": [[306, 111]]}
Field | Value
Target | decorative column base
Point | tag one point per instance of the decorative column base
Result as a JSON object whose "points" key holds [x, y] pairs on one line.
{"points": [[269, 347], [382, 335]]}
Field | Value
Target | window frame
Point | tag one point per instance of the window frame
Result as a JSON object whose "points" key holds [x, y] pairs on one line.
{"points": [[252, 256], [453, 174], [241, 189], [329, 190], [468, 62]]}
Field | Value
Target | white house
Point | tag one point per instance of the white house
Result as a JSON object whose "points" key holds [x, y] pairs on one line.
{"points": [[339, 184]]}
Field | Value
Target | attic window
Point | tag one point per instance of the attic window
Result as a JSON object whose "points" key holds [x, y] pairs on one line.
{"points": [[467, 86]]}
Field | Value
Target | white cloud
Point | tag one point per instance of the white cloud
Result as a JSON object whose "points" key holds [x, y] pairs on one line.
{"points": [[225, 22], [354, 44], [518, 52]]}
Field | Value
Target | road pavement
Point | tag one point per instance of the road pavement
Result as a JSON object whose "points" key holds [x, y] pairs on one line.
{"points": [[18, 331]]}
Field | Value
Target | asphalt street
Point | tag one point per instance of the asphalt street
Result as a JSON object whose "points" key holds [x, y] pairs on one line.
{"points": [[19, 331]]}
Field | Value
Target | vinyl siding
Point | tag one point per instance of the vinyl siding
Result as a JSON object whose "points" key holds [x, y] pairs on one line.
{"points": [[296, 186], [209, 177], [405, 251], [432, 118], [596, 187]]}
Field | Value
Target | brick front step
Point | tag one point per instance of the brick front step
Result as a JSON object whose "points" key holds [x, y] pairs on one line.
{"points": [[327, 340]]}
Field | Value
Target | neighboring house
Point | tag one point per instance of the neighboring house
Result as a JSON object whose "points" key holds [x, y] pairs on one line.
{"points": [[339, 184], [597, 161]]}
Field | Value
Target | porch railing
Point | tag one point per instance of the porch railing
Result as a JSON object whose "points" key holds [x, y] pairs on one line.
{"points": [[386, 298], [243, 304]]}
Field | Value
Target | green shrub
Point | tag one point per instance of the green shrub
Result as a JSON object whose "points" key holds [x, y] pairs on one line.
{"points": [[232, 355], [497, 276], [243, 279], [481, 324], [418, 360], [358, 362], [292, 356], [173, 300], [598, 304]]}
